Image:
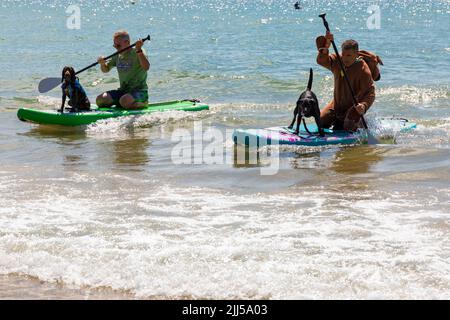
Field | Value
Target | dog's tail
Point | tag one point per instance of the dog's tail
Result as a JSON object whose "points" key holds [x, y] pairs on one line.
{"points": [[310, 79]]}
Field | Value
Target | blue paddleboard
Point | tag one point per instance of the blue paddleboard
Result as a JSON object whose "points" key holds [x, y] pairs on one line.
{"points": [[286, 136]]}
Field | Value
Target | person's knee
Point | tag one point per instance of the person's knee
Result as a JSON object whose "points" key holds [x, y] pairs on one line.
{"points": [[126, 101], [104, 100], [326, 119], [326, 124]]}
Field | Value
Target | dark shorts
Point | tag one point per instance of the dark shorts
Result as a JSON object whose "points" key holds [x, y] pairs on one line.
{"points": [[138, 95]]}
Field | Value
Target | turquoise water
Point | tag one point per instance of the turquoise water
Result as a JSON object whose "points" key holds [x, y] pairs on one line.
{"points": [[107, 206]]}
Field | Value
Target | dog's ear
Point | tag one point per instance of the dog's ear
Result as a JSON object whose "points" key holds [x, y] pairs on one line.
{"points": [[62, 73], [72, 73]]}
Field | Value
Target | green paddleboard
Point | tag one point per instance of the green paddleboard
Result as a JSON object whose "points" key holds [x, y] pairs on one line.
{"points": [[87, 117]]}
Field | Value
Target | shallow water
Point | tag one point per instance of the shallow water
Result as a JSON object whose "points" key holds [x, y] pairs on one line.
{"points": [[106, 206]]}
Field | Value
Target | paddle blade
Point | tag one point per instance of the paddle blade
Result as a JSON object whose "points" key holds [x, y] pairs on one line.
{"points": [[371, 139], [48, 84]]}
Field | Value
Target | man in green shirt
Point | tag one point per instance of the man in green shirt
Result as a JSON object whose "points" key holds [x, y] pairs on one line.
{"points": [[132, 66]]}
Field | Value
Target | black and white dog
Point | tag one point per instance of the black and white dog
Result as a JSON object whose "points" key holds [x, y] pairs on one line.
{"points": [[72, 89], [307, 106]]}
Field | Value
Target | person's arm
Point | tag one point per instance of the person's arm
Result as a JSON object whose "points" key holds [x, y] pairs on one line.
{"points": [[324, 59], [106, 66], [142, 57], [323, 56]]}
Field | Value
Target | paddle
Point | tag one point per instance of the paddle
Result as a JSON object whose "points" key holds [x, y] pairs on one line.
{"points": [[371, 139], [48, 84]]}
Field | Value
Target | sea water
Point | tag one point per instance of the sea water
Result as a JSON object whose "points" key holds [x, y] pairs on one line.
{"points": [[110, 206]]}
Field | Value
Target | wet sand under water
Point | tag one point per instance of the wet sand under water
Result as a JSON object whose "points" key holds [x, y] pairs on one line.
{"points": [[16, 287]]}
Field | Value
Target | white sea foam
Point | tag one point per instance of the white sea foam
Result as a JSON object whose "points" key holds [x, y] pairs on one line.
{"points": [[124, 124], [430, 134], [204, 243], [415, 95], [49, 101]]}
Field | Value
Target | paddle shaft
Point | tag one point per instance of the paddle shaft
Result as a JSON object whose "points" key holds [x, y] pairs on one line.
{"points": [[112, 55], [325, 23]]}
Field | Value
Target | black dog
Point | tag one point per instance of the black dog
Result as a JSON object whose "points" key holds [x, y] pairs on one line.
{"points": [[72, 88], [307, 106]]}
